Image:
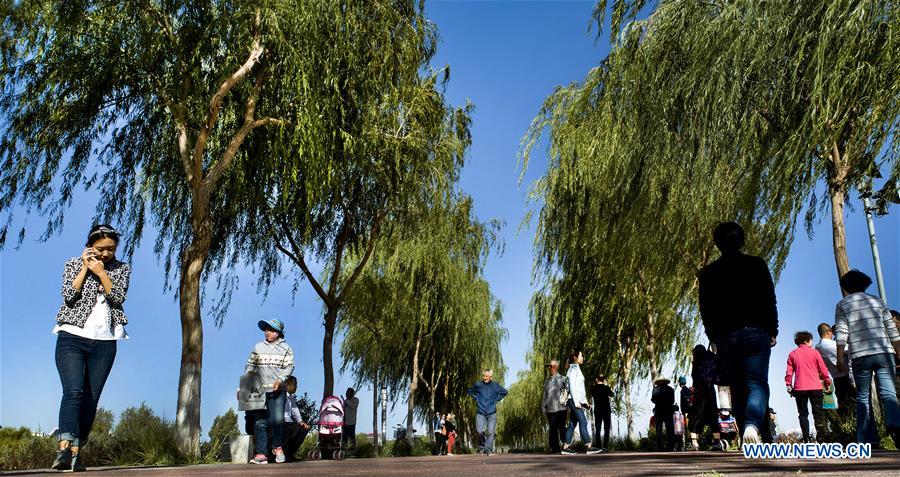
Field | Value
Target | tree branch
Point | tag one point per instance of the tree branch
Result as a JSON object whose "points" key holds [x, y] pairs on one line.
{"points": [[365, 259], [215, 105], [297, 258]]}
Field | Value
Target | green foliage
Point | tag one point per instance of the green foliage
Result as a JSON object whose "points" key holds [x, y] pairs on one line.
{"points": [[520, 422], [141, 437], [422, 318], [308, 444], [223, 429], [20, 450]]}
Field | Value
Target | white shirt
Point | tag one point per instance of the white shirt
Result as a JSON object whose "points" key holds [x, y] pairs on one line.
{"points": [[576, 385], [97, 325], [828, 349]]}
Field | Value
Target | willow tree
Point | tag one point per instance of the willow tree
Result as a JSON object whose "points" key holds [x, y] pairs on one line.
{"points": [[423, 318], [380, 143], [160, 106]]}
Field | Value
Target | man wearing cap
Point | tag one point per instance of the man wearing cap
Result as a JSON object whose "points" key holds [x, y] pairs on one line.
{"points": [[272, 361], [664, 400], [685, 397], [553, 408]]}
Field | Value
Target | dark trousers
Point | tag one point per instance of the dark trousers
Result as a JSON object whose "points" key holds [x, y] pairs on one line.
{"points": [[294, 435], [348, 436], [668, 420], [746, 354], [602, 420], [804, 398], [440, 444], [846, 396], [83, 365], [557, 421]]}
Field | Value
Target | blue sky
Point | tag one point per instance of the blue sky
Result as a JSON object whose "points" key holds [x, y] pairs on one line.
{"points": [[505, 57]]}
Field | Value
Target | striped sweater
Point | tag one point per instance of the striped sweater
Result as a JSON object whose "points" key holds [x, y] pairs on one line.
{"points": [[863, 322]]}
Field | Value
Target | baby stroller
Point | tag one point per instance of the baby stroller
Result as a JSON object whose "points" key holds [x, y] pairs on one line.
{"points": [[728, 427], [331, 422]]}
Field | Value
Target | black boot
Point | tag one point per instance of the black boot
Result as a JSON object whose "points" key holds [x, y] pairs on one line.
{"points": [[63, 460], [78, 463]]}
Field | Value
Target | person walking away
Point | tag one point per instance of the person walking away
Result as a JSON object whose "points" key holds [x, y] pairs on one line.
{"points": [[272, 360], [896, 315], [684, 402], [88, 324], [577, 404], [843, 384], [348, 430], [487, 394], [450, 427], [804, 376], [865, 324], [703, 408], [553, 408], [600, 395], [740, 317], [295, 429], [663, 399]]}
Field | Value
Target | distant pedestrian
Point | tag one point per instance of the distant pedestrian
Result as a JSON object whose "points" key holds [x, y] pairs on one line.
{"points": [[664, 405], [437, 424], [865, 324], [601, 393], [295, 428], [450, 428], [684, 402], [703, 410], [843, 384], [804, 377], [553, 407], [272, 360], [738, 308], [348, 431], [578, 404], [88, 324], [487, 394]]}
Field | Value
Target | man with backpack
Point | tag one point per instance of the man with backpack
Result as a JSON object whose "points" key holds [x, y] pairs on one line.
{"points": [[554, 406]]}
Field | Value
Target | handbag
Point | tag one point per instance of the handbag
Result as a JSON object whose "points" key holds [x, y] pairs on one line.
{"points": [[564, 395], [829, 399]]}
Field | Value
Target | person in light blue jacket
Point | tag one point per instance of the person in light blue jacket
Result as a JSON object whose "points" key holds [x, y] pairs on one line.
{"points": [[487, 394], [578, 403]]}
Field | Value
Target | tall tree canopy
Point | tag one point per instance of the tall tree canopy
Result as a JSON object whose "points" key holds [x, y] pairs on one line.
{"points": [[181, 113], [423, 319], [702, 112]]}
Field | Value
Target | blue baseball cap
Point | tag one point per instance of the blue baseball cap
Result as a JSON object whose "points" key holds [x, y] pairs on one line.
{"points": [[273, 324], [682, 380]]}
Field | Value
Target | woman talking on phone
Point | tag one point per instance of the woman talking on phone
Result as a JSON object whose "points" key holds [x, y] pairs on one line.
{"points": [[88, 324]]}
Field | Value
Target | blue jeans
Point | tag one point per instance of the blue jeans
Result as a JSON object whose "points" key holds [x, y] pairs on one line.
{"points": [[83, 365], [746, 353], [577, 416], [485, 426], [271, 417], [882, 367]]}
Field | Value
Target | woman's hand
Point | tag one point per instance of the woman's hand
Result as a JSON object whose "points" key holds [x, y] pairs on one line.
{"points": [[86, 256], [95, 266]]}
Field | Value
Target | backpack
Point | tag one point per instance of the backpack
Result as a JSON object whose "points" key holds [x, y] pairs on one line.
{"points": [[564, 393]]}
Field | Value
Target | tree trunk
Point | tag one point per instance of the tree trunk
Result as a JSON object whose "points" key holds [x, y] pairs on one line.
{"points": [[187, 417], [626, 388], [413, 386], [327, 353], [655, 368], [375, 413], [836, 188]]}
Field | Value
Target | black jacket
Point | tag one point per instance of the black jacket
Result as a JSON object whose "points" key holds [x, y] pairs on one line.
{"points": [[736, 291], [664, 398]]}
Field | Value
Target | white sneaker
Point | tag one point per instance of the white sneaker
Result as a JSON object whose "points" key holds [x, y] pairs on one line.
{"points": [[751, 435]]}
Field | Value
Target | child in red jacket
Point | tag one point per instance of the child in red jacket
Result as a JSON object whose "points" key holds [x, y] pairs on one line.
{"points": [[805, 375]]}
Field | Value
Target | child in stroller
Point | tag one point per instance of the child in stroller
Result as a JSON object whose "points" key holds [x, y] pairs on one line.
{"points": [[331, 422]]}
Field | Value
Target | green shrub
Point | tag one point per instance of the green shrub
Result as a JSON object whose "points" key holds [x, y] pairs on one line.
{"points": [[365, 448], [223, 429], [308, 444], [20, 450], [141, 437]]}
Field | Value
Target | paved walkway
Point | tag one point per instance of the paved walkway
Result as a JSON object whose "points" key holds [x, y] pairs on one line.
{"points": [[883, 463]]}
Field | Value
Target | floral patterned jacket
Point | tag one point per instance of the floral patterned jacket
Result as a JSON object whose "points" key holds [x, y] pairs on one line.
{"points": [[77, 304]]}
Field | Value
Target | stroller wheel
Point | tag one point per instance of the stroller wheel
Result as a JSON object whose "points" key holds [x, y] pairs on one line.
{"points": [[338, 455], [315, 455]]}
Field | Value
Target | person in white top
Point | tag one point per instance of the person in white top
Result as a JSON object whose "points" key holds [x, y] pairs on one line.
{"points": [[578, 403], [88, 324]]}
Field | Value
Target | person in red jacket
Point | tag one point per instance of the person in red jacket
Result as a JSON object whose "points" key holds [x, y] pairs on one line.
{"points": [[806, 372]]}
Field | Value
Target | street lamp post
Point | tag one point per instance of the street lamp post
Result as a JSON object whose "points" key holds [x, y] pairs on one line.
{"points": [[870, 221]]}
